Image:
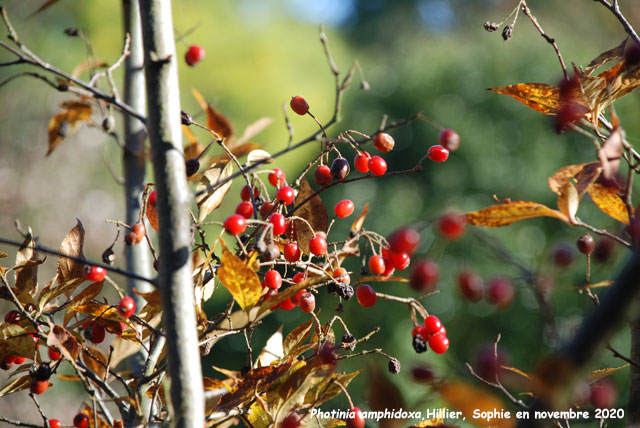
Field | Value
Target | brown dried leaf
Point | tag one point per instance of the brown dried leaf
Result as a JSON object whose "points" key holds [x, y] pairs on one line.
{"points": [[61, 339], [104, 312], [152, 297], [568, 202], [313, 211], [211, 199], [507, 213], [587, 176], [15, 341], [538, 96], [259, 155], [243, 283], [357, 223], [606, 56], [83, 297], [608, 200], [610, 153], [18, 384], [26, 276], [90, 64], [69, 269], [562, 176], [92, 358], [67, 121], [216, 121], [596, 375], [53, 289], [296, 337], [238, 151], [324, 393]]}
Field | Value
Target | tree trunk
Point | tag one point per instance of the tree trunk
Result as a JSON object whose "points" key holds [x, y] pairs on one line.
{"points": [[173, 202], [633, 408]]}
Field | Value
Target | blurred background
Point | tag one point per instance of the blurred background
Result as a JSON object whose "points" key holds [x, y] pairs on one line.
{"points": [[431, 56]]}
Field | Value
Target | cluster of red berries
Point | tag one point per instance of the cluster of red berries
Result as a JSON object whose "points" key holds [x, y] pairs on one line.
{"points": [[499, 291], [304, 299], [432, 333], [14, 317]]}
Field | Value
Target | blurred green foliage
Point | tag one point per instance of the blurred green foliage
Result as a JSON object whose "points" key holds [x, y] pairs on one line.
{"points": [[429, 56]]}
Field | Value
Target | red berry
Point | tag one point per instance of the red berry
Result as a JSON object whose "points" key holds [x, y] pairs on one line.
{"points": [[449, 139], [292, 252], [136, 235], [235, 224], [383, 142], [290, 421], [343, 208], [279, 223], [299, 277], [366, 295], [153, 196], [439, 343], [404, 240], [299, 105], [38, 386], [296, 299], [19, 360], [245, 209], [10, 359], [377, 166], [277, 177], [94, 273], [266, 208], [245, 193], [451, 225], [273, 279], [400, 260], [54, 423], [376, 264], [424, 275], [388, 267], [432, 324], [322, 175], [421, 330], [361, 162], [340, 169], [355, 419], [81, 420], [585, 244], [604, 394], [54, 355], [500, 292], [438, 153], [287, 304], [94, 333], [562, 255], [341, 275], [471, 285], [127, 306], [318, 244], [286, 195], [194, 55], [307, 302]]}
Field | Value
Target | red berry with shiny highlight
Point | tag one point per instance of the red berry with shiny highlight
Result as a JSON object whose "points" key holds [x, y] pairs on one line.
{"points": [[438, 153], [424, 275], [344, 208], [235, 224], [292, 252], [439, 343], [361, 162], [279, 223], [376, 264], [54, 423], [299, 105], [194, 55], [355, 419], [245, 209], [307, 302], [277, 177], [449, 139], [383, 142], [318, 244], [322, 175], [377, 166], [451, 225], [404, 240], [366, 295], [299, 277], [273, 279], [421, 330], [94, 333], [127, 306], [286, 195], [432, 324], [81, 420], [94, 273], [400, 260]]}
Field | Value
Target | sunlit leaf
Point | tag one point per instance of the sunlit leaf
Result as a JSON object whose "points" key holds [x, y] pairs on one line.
{"points": [[297, 336], [15, 341], [83, 297], [90, 64], [609, 55], [67, 121], [331, 389], [95, 360], [313, 211], [243, 283], [61, 339], [610, 153], [510, 212], [18, 384], [54, 289], [69, 269], [211, 199], [518, 371], [216, 121], [608, 200], [597, 375], [568, 202], [583, 173], [259, 156], [538, 96], [273, 349]]}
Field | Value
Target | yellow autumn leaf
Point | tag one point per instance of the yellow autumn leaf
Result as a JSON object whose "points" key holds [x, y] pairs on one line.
{"points": [[510, 212], [67, 121], [607, 199], [541, 97], [242, 282]]}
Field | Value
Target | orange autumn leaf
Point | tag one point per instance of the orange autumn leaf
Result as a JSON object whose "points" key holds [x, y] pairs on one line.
{"points": [[216, 121], [510, 212], [541, 97], [608, 200], [243, 283], [152, 214], [67, 121], [72, 244], [583, 173]]}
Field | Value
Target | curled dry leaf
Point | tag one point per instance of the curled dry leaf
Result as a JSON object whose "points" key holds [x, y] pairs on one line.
{"points": [[61, 339], [568, 202], [216, 121], [610, 153], [67, 121], [243, 283], [95, 359], [608, 200], [26, 270], [18, 384], [83, 297], [505, 214], [15, 341], [212, 198], [72, 244], [296, 337], [259, 156]]}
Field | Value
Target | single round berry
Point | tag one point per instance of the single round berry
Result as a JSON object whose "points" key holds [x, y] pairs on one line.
{"points": [[54, 355], [383, 142], [139, 231], [439, 343], [449, 139], [296, 298], [245, 193], [438, 153], [366, 295], [322, 175], [266, 208], [604, 394], [38, 386], [299, 105], [451, 225], [432, 324], [279, 223], [344, 208], [235, 224], [340, 169], [127, 306], [361, 162], [500, 292], [245, 209], [419, 329], [277, 177], [94, 273], [54, 423], [404, 240], [194, 55], [130, 238], [586, 244], [377, 166], [94, 333], [388, 267], [562, 255], [400, 260], [287, 304], [153, 196], [307, 302], [292, 252], [192, 166], [471, 285], [299, 277], [273, 279], [286, 195], [355, 419], [376, 264], [318, 244], [341, 275], [424, 275], [81, 420]]}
